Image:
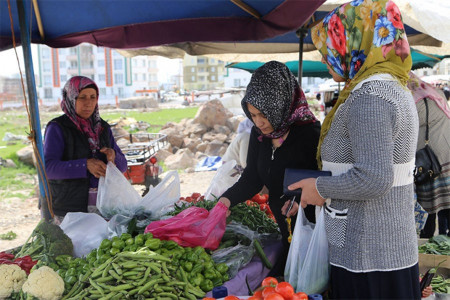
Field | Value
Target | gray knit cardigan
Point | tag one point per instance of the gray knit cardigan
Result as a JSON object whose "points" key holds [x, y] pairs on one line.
{"points": [[370, 150]]}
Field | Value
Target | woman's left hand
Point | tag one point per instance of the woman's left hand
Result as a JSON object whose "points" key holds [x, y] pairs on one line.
{"points": [[293, 210], [110, 154], [310, 195]]}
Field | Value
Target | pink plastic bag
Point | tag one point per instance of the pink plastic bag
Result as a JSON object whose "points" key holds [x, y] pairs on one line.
{"points": [[193, 227]]}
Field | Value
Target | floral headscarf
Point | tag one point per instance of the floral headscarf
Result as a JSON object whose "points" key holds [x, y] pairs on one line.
{"points": [[90, 127], [420, 90], [360, 39], [275, 92]]}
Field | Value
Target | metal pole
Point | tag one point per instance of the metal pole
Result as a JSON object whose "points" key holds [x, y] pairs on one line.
{"points": [[33, 104], [301, 33]]}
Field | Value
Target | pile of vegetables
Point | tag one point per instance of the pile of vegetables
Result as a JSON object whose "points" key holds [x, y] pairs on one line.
{"points": [[440, 284], [439, 245], [271, 289], [252, 217], [45, 243], [42, 283], [139, 267], [26, 263]]}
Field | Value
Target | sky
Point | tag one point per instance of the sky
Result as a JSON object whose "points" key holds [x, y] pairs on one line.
{"points": [[9, 65], [8, 61]]}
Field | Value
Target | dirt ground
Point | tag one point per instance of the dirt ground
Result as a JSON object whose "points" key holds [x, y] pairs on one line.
{"points": [[21, 216]]}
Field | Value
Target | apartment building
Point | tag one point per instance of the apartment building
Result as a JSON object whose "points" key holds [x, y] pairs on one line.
{"points": [[117, 77], [202, 73]]}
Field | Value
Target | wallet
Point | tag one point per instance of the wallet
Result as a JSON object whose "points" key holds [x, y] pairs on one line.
{"points": [[294, 175]]}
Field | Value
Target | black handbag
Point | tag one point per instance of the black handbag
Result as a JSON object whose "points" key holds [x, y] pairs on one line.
{"points": [[427, 164], [294, 175]]}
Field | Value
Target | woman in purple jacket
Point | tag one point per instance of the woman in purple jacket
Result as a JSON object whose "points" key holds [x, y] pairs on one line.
{"points": [[77, 147]]}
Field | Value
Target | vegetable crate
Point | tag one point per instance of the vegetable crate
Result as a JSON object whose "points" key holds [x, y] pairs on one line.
{"points": [[140, 153]]}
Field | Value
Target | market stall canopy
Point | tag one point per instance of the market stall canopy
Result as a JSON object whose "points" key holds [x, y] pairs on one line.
{"points": [[424, 25], [140, 23], [315, 68]]}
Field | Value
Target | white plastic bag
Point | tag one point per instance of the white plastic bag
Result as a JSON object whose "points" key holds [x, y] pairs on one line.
{"points": [[86, 230], [166, 193], [301, 237], [307, 267], [115, 194], [225, 177]]}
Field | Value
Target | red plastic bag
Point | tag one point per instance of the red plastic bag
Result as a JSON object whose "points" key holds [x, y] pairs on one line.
{"points": [[193, 227]]}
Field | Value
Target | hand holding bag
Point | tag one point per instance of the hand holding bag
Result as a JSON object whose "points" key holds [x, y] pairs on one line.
{"points": [[427, 164]]}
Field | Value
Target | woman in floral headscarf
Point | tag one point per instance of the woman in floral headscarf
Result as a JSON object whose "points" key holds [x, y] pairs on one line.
{"points": [[368, 142], [284, 135], [77, 147]]}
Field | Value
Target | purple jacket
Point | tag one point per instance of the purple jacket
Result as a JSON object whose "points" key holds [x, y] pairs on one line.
{"points": [[57, 169]]}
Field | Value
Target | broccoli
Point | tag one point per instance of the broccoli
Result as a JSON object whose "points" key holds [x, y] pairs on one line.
{"points": [[46, 242]]}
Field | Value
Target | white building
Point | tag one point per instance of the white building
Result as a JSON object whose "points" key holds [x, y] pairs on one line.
{"points": [[236, 78], [117, 77]]}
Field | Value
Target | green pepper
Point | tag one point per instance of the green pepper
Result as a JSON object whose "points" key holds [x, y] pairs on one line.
{"points": [[209, 274], [118, 244], [70, 280], [133, 248], [206, 285], [114, 251], [63, 259], [105, 244], [61, 273], [129, 242], [125, 236], [152, 244], [71, 272], [199, 250], [148, 235], [209, 265], [192, 257], [197, 268], [222, 268], [225, 277], [217, 281], [139, 240], [170, 245], [187, 266], [205, 256], [197, 279]]}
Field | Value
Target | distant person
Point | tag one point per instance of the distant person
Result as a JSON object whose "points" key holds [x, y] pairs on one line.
{"points": [[368, 141], [285, 135], [434, 196], [77, 147], [446, 91], [318, 96], [238, 148]]}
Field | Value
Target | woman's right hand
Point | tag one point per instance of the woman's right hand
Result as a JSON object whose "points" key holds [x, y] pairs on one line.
{"points": [[96, 167], [225, 201]]}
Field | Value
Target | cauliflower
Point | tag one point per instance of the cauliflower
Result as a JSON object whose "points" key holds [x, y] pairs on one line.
{"points": [[45, 284], [12, 278]]}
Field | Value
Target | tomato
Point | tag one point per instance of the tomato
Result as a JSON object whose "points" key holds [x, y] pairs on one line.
{"points": [[181, 198], [269, 281], [196, 195], [300, 296], [209, 298], [188, 199], [267, 291], [274, 296], [285, 289], [254, 298], [231, 298], [260, 199], [258, 294]]}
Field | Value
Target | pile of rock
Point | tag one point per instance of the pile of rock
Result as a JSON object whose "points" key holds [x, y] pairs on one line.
{"points": [[189, 141], [208, 134]]}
